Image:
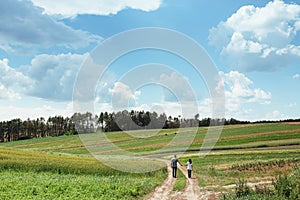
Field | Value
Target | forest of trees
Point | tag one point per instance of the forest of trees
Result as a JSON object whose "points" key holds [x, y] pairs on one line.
{"points": [[17, 129], [135, 120]]}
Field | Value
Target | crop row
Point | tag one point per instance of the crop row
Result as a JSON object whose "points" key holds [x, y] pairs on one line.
{"points": [[263, 166], [33, 175], [46, 185]]}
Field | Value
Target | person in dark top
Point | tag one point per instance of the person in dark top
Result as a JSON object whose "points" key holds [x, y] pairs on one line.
{"points": [[174, 162]]}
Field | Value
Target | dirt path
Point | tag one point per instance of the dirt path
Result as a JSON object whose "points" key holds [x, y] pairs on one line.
{"points": [[163, 191], [232, 186], [192, 191]]}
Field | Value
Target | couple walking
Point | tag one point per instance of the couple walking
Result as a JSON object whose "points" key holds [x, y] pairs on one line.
{"points": [[174, 162]]}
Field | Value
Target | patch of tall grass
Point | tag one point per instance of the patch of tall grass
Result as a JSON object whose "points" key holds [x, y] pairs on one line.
{"points": [[46, 185], [34, 175], [285, 187], [180, 181]]}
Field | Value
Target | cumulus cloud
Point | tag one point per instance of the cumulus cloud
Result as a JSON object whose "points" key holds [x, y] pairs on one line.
{"points": [[53, 76], [122, 96], [24, 26], [48, 76], [177, 87], [12, 82], [239, 91], [275, 115], [6, 93], [260, 38], [72, 8], [240, 96]]}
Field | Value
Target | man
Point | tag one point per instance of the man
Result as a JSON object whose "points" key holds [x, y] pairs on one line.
{"points": [[174, 162]]}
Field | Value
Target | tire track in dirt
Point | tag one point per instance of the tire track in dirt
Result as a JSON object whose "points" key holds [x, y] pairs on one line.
{"points": [[192, 191], [163, 191]]}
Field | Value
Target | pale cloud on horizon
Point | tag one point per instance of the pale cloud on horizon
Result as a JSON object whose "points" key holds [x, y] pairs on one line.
{"points": [[239, 91], [61, 70], [46, 110], [275, 115]]}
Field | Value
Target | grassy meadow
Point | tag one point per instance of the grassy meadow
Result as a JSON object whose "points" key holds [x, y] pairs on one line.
{"points": [[27, 174], [63, 168]]}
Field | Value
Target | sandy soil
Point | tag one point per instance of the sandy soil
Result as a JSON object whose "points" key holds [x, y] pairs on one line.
{"points": [[163, 191]]}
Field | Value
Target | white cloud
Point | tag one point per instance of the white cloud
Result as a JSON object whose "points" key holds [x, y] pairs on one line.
{"points": [[183, 109], [12, 82], [177, 88], [6, 93], [104, 86], [122, 96], [46, 110], [72, 8], [23, 26], [296, 76], [239, 91], [53, 75], [48, 77], [292, 105], [275, 115], [260, 39], [242, 98]]}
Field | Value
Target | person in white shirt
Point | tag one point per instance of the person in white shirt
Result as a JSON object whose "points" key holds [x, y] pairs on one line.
{"points": [[189, 168]]}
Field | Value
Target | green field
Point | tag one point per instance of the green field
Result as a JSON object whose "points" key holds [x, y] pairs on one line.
{"points": [[27, 174], [63, 168]]}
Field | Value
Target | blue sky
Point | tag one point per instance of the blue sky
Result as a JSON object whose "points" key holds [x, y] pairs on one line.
{"points": [[255, 45]]}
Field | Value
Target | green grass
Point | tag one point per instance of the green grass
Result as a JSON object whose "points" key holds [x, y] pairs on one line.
{"points": [[67, 157], [286, 186], [232, 137], [62, 144], [35, 175], [46, 185], [257, 135], [216, 169], [180, 181]]}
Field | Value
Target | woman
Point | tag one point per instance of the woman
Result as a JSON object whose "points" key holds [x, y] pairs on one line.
{"points": [[189, 168]]}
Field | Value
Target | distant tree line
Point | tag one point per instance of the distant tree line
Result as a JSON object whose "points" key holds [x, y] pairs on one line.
{"points": [[274, 121], [17, 129]]}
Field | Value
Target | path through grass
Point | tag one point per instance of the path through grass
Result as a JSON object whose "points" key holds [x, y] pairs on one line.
{"points": [[65, 159]]}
